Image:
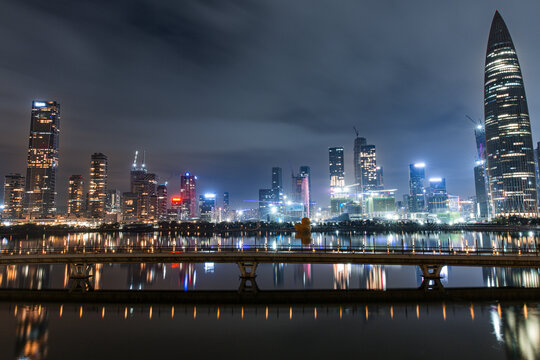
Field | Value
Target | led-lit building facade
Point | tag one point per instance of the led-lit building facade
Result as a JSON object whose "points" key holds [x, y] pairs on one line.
{"points": [[76, 196], [510, 156], [40, 186], [188, 193], [97, 187], [417, 190], [13, 196]]}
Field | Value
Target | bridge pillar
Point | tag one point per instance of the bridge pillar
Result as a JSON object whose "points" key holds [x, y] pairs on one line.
{"points": [[431, 277], [247, 277], [247, 270], [79, 277]]}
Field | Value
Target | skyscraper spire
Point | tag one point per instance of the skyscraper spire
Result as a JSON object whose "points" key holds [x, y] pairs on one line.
{"points": [[510, 157]]}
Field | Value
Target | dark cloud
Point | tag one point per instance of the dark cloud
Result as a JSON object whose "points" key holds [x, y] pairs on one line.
{"points": [[229, 89]]}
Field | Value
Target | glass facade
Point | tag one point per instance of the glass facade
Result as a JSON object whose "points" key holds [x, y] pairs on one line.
{"points": [[417, 189], [13, 196], [337, 167], [510, 155], [40, 187]]}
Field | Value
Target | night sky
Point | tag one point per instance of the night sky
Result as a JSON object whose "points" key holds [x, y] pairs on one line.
{"points": [[228, 89]]}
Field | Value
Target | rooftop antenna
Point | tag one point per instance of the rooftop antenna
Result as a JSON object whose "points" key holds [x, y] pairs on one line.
{"points": [[356, 131], [135, 160]]}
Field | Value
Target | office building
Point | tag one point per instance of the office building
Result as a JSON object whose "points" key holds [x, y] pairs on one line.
{"points": [[368, 163], [207, 207], [305, 172], [113, 201], [162, 202], [437, 197], [40, 186], [417, 190], [480, 178], [13, 196], [337, 168], [76, 198], [358, 143], [188, 193], [277, 178], [510, 155], [268, 203], [97, 188], [129, 206]]}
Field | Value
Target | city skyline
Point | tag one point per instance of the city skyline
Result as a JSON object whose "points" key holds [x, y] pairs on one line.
{"points": [[218, 174]]}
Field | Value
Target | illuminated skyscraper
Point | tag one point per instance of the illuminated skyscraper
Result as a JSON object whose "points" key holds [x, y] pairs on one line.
{"points": [[510, 156], [188, 193], [368, 163], [144, 184], [358, 143], [207, 206], [417, 190], [337, 167], [40, 188], [75, 195], [97, 189], [438, 197], [13, 196], [162, 199]]}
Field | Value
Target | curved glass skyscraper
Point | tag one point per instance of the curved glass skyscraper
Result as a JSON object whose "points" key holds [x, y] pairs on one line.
{"points": [[510, 156]]}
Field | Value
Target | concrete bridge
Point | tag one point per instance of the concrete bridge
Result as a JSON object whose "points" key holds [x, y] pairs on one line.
{"points": [[430, 261]]}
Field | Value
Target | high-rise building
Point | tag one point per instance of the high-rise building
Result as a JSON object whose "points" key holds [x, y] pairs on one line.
{"points": [[76, 196], [40, 187], [337, 168], [417, 190], [162, 201], [144, 184], [380, 181], [438, 197], [305, 171], [13, 196], [480, 179], [510, 155], [113, 202], [188, 193], [129, 206], [300, 194], [207, 205], [358, 143], [268, 203], [368, 163], [226, 202], [97, 189], [277, 178]]}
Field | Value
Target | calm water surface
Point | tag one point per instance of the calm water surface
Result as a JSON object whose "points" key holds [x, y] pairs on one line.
{"points": [[447, 331]]}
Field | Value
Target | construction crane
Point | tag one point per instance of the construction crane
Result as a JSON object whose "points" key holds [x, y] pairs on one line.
{"points": [[356, 131], [135, 160], [477, 123]]}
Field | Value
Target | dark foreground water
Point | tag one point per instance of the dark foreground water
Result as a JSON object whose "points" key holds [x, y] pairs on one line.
{"points": [[391, 330]]}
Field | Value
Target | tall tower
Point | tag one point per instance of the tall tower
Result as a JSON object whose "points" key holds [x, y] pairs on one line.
{"points": [[277, 178], [40, 188], [368, 162], [75, 195], [337, 167], [97, 190], [358, 143], [480, 179], [510, 156], [162, 199], [13, 196], [417, 189], [188, 193]]}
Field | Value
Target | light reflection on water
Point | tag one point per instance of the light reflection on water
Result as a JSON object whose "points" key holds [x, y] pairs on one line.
{"points": [[504, 330]]}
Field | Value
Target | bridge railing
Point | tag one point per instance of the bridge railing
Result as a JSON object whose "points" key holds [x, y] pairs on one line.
{"points": [[526, 250]]}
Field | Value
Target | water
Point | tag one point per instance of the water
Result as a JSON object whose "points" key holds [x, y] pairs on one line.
{"points": [[56, 330]]}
